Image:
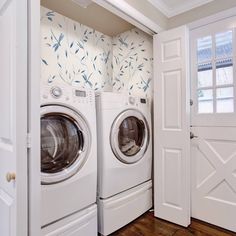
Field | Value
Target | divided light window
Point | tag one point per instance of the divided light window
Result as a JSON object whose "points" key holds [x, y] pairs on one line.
{"points": [[215, 82]]}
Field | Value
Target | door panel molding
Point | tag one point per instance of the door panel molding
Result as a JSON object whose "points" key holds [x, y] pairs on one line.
{"points": [[171, 126], [6, 203], [214, 197]]}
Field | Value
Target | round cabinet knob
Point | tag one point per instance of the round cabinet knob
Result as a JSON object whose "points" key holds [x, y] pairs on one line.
{"points": [[10, 177], [56, 92]]}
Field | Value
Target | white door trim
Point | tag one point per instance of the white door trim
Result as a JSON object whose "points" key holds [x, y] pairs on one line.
{"points": [[212, 18], [34, 194]]}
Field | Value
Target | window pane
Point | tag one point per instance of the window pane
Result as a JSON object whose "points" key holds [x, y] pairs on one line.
{"points": [[205, 75], [224, 44], [225, 106], [205, 95], [205, 107], [225, 93], [224, 72], [204, 49]]}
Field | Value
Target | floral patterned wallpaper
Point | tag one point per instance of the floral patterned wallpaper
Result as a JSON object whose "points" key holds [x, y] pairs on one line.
{"points": [[74, 53], [132, 63], [80, 56]]}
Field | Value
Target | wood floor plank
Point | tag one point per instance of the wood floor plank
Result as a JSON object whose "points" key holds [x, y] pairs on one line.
{"points": [[148, 225]]}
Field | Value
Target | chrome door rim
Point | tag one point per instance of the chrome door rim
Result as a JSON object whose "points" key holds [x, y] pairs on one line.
{"points": [[81, 123], [114, 137]]}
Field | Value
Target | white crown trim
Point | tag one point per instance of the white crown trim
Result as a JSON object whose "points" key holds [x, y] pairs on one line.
{"points": [[170, 12]]}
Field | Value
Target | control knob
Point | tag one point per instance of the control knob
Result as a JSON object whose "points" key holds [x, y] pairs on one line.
{"points": [[56, 92]]}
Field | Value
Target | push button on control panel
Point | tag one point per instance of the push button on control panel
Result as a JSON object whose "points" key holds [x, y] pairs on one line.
{"points": [[56, 92], [131, 100]]}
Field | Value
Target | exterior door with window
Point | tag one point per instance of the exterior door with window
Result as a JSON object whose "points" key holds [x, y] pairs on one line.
{"points": [[213, 121]]}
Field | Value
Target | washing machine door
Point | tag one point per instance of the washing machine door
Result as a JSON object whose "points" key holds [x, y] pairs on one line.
{"points": [[129, 137], [65, 143]]}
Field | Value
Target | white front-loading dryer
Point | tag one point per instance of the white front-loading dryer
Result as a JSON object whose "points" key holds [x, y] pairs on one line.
{"points": [[68, 151], [124, 159], [124, 142]]}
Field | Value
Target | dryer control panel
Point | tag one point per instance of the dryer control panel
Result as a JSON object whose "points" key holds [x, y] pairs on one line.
{"points": [[137, 101]]}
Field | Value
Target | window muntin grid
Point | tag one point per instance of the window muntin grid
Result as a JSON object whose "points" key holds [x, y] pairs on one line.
{"points": [[215, 82]]}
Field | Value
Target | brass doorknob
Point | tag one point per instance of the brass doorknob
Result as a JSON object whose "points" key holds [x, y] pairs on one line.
{"points": [[10, 177]]}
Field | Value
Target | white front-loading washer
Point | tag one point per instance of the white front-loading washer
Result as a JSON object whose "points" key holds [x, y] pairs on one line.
{"points": [[124, 159], [68, 152]]}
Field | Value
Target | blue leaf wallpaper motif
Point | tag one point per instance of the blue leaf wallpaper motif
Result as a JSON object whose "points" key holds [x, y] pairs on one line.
{"points": [[74, 54], [132, 63], [77, 55]]}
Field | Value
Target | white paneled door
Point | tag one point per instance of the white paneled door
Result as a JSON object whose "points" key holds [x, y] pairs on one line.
{"points": [[214, 175], [213, 120], [13, 117], [171, 126]]}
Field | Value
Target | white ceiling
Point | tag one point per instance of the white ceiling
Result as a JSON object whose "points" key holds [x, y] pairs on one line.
{"points": [[175, 7], [93, 15]]}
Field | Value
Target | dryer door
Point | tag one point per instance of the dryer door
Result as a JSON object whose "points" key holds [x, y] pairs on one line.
{"points": [[130, 136], [65, 143]]}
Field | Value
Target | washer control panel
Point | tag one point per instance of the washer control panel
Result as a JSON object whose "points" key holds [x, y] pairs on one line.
{"points": [[83, 96], [72, 94]]}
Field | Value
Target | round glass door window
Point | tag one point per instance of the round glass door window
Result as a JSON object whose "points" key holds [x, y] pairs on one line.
{"points": [[64, 144], [130, 136]]}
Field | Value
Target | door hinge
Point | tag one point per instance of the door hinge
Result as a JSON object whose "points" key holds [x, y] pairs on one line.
{"points": [[28, 140]]}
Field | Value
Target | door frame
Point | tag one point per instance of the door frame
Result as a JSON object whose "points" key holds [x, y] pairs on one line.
{"points": [[34, 182], [212, 18], [122, 10], [191, 26]]}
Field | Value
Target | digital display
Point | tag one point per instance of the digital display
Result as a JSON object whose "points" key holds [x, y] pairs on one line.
{"points": [[143, 100], [80, 93]]}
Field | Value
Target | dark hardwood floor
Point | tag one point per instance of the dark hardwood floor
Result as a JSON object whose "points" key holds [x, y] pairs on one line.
{"points": [[148, 225]]}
